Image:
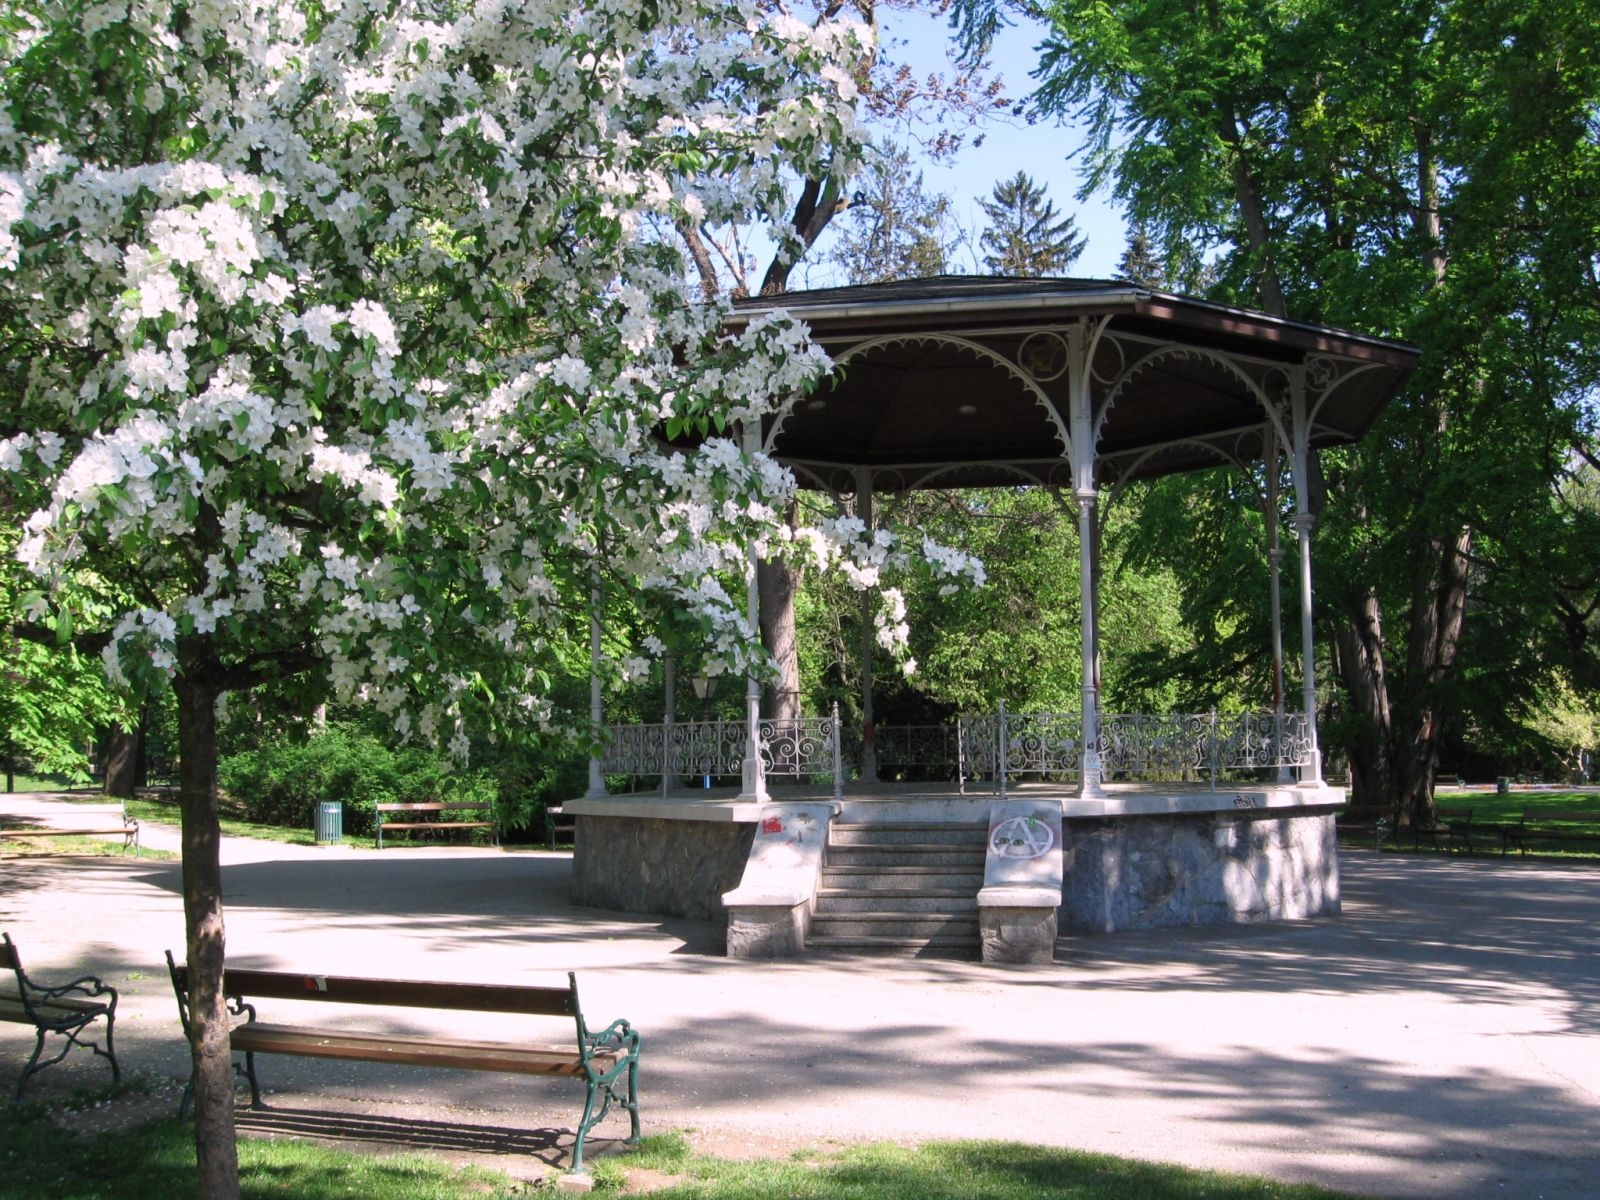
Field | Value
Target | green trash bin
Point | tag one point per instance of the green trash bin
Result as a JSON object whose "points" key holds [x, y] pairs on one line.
{"points": [[330, 822], [1502, 785]]}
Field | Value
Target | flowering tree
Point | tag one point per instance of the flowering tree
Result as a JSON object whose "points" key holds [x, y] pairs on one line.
{"points": [[336, 335]]}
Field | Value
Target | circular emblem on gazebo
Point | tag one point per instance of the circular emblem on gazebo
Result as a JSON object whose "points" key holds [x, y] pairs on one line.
{"points": [[1043, 355], [1021, 837]]}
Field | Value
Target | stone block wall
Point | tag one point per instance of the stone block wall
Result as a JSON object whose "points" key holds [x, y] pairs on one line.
{"points": [[1215, 868], [665, 867]]}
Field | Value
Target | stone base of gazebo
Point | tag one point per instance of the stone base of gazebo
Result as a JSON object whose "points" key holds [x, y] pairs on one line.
{"points": [[1145, 857]]}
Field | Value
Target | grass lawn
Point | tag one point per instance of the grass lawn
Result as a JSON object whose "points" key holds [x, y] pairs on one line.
{"points": [[1491, 811], [156, 1162]]}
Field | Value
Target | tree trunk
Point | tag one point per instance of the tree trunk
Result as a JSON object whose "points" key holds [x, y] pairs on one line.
{"points": [[122, 761], [1438, 611], [776, 585], [1359, 643], [216, 1151]]}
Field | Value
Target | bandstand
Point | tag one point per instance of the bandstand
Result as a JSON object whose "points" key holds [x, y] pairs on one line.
{"points": [[1051, 822]]}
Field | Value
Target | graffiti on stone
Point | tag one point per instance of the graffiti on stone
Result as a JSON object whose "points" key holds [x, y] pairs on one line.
{"points": [[1021, 837]]}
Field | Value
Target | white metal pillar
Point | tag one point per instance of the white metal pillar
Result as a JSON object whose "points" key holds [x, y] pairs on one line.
{"points": [[1271, 457], [1082, 449], [597, 712], [869, 748], [669, 716], [753, 776], [1304, 521]]}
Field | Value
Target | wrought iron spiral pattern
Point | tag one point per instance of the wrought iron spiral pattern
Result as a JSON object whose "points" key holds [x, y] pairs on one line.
{"points": [[800, 747]]}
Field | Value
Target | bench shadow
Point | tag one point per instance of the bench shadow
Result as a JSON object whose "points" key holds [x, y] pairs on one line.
{"points": [[407, 1133]]}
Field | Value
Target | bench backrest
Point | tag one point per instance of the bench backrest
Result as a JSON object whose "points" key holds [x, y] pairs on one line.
{"points": [[397, 993], [38, 808], [1559, 814], [8, 954], [434, 806]]}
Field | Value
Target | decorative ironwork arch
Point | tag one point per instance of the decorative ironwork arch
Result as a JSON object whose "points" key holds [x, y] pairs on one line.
{"points": [[1195, 354], [976, 349]]}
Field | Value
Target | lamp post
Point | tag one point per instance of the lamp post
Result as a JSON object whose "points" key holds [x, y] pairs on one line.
{"points": [[702, 693]]}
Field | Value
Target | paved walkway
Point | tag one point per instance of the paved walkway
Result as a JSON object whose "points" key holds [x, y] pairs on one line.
{"points": [[1438, 1040]]}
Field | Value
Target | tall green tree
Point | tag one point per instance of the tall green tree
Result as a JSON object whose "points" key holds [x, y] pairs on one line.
{"points": [[1425, 171], [895, 228], [1025, 235]]}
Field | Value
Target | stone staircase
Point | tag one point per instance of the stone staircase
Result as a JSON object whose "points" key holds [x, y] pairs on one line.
{"points": [[901, 889]]}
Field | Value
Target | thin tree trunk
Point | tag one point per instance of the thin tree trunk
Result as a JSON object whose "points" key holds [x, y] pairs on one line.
{"points": [[216, 1151], [776, 585], [1438, 612]]}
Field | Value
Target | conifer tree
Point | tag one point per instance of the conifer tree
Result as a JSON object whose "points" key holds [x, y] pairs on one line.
{"points": [[1025, 235]]}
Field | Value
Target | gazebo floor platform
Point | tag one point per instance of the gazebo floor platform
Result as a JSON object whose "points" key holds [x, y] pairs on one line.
{"points": [[863, 802]]}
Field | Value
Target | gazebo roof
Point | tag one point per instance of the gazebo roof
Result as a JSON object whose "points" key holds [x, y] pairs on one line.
{"points": [[964, 381]]}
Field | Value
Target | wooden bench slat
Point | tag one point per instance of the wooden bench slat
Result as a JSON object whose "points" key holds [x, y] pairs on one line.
{"points": [[438, 824], [409, 1050], [12, 1008], [396, 993]]}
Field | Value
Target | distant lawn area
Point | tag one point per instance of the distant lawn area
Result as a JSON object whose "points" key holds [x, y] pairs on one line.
{"points": [[156, 1162], [1493, 811]]}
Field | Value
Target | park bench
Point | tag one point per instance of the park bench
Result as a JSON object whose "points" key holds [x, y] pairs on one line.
{"points": [[439, 808], [556, 821], [1454, 824], [605, 1061], [66, 1010], [45, 818], [1550, 825]]}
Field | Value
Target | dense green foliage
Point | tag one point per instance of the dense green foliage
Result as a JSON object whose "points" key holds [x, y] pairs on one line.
{"points": [[1424, 171], [280, 783]]}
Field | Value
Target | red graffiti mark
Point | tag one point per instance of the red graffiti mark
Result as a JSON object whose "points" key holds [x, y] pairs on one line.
{"points": [[772, 825]]}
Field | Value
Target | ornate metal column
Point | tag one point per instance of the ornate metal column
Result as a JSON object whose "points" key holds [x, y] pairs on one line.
{"points": [[1270, 455], [869, 749], [754, 778], [1304, 521], [669, 716], [1082, 449]]}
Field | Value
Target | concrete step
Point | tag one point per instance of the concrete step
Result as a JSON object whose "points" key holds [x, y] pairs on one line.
{"points": [[905, 855], [902, 879], [960, 946], [941, 901], [906, 926], [882, 834]]}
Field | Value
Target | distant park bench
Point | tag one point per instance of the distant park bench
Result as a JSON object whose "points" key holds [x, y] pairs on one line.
{"points": [[606, 1062], [439, 809], [47, 818], [1550, 825], [556, 822], [1452, 823], [66, 1010]]}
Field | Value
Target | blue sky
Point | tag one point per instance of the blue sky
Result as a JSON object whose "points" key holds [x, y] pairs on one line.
{"points": [[1009, 145]]}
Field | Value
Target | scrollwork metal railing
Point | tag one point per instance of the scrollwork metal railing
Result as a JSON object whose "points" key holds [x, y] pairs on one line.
{"points": [[806, 747], [1134, 747]]}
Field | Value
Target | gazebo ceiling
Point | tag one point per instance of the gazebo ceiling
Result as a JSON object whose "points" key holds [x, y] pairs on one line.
{"points": [[964, 381]]}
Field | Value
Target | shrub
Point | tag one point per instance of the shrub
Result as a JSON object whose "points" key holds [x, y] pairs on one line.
{"points": [[280, 783]]}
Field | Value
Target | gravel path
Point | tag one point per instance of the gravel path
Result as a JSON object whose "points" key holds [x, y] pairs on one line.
{"points": [[1438, 1040]]}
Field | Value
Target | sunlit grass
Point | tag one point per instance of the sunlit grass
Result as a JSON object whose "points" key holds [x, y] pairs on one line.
{"points": [[939, 1171]]}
